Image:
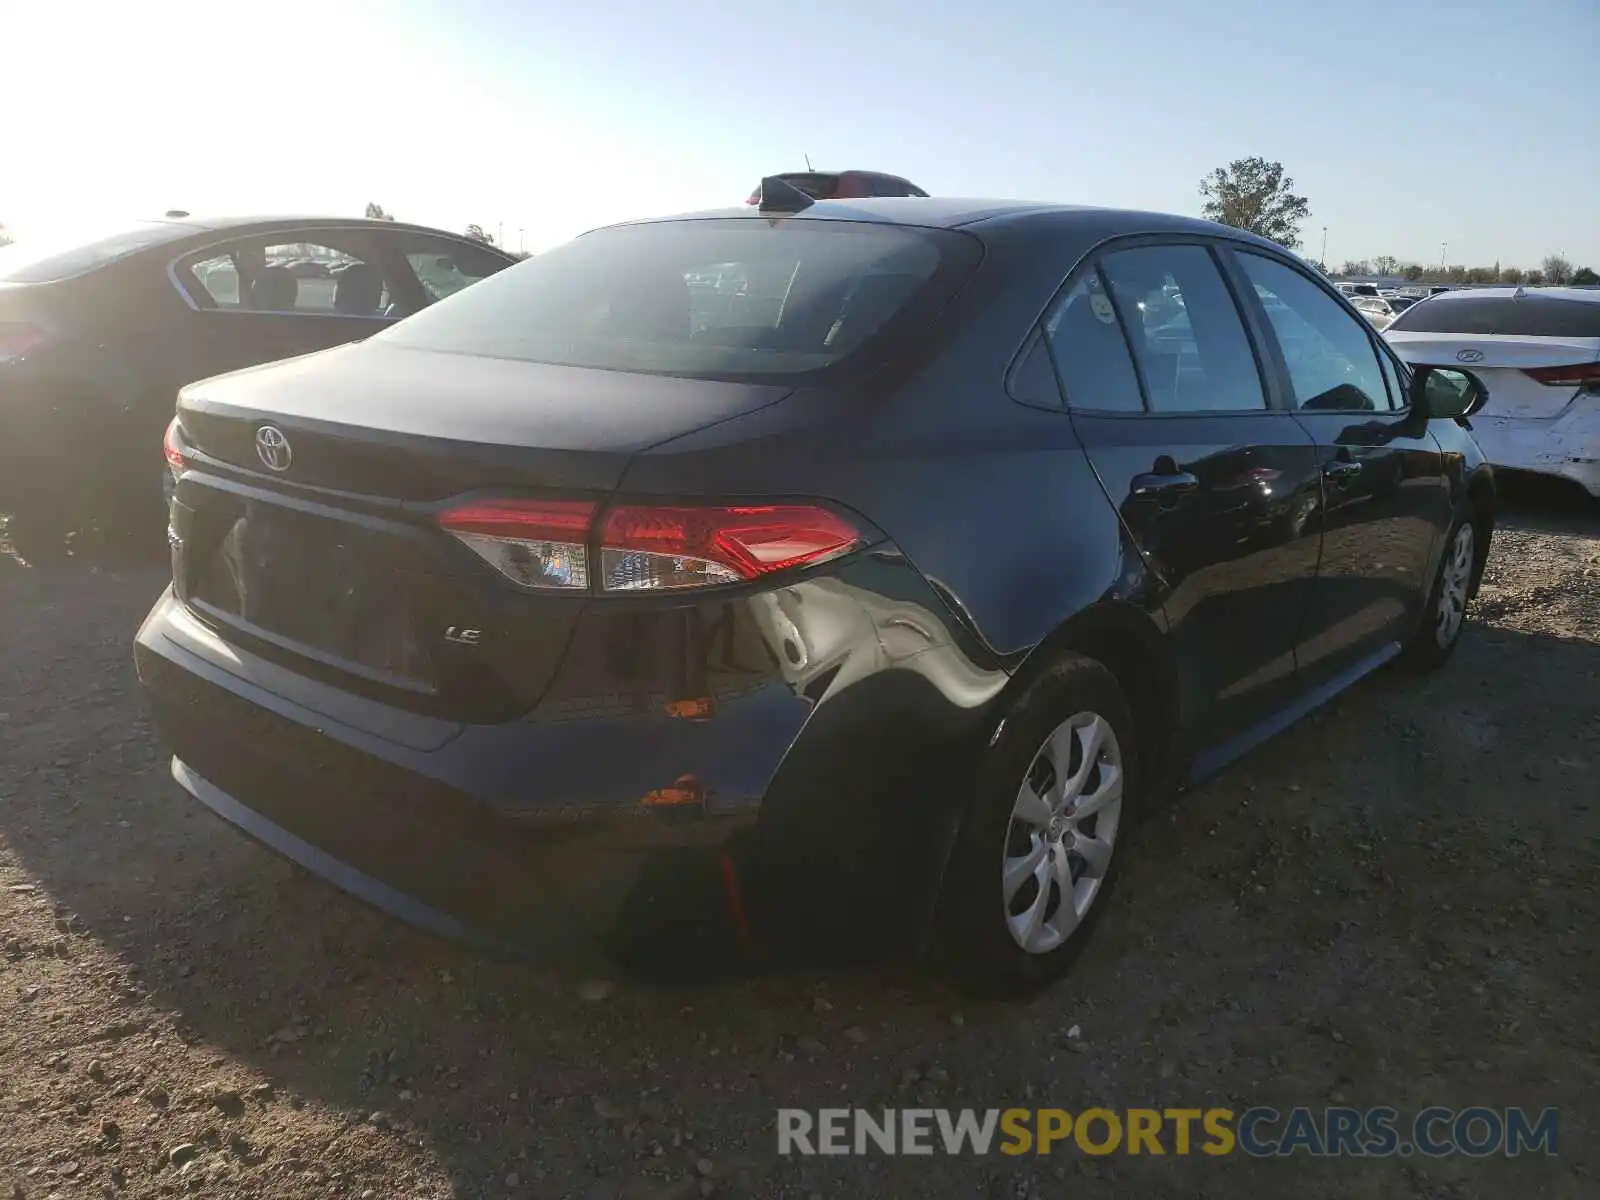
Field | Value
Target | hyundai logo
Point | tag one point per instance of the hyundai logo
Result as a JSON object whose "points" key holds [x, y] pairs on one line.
{"points": [[1469, 355], [272, 448]]}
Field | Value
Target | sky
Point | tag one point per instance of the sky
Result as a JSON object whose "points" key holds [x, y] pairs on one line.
{"points": [[1416, 128]]}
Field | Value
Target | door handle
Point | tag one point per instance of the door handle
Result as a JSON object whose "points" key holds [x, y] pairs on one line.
{"points": [[1164, 484], [1341, 471]]}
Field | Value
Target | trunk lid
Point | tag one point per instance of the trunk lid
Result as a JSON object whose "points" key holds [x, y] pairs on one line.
{"points": [[385, 420], [335, 565], [1502, 362]]}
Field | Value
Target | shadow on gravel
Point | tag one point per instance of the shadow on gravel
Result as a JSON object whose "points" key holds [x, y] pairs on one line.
{"points": [[1354, 911]]}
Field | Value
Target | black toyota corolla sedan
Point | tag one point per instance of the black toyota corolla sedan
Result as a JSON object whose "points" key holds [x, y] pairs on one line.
{"points": [[838, 567], [98, 332]]}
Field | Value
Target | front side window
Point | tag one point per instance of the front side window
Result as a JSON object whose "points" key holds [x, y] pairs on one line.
{"points": [[1091, 354], [1396, 380], [1333, 366], [718, 299], [443, 266], [309, 277], [1186, 333]]}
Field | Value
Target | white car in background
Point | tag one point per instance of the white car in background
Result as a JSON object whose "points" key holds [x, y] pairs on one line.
{"points": [[1537, 350], [1380, 311]]}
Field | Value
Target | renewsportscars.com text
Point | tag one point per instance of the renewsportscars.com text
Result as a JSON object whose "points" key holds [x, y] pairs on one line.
{"points": [[1259, 1132]]}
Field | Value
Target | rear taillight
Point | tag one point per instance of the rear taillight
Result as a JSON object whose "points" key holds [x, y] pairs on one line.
{"points": [[535, 543], [655, 548], [172, 449], [18, 341], [1577, 375], [547, 543]]}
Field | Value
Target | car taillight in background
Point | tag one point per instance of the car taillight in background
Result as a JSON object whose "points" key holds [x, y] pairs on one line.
{"points": [[17, 340], [1576, 375], [548, 544], [172, 449]]}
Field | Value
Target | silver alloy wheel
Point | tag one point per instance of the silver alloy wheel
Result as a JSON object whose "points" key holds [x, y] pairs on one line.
{"points": [[1062, 832], [1455, 575]]}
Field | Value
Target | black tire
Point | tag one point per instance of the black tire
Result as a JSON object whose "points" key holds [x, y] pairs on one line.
{"points": [[1438, 635], [974, 913]]}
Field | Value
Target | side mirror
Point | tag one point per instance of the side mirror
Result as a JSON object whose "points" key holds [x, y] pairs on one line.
{"points": [[1438, 393]]}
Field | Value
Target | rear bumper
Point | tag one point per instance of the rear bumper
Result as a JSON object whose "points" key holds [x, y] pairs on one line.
{"points": [[596, 820], [1567, 446]]}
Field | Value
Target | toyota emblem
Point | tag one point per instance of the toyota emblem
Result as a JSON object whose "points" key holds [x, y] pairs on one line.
{"points": [[1469, 355], [272, 448]]}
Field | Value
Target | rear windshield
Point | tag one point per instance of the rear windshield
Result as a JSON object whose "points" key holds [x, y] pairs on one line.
{"points": [[751, 299], [29, 261], [1531, 316], [816, 184]]}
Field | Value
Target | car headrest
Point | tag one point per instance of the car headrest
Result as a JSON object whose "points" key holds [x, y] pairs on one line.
{"points": [[359, 290], [275, 290]]}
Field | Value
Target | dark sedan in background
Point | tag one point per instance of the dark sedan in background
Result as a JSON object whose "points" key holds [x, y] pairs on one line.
{"points": [[97, 335], [565, 608]]}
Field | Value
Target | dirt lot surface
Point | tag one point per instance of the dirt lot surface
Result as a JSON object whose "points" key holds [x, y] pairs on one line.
{"points": [[1393, 903]]}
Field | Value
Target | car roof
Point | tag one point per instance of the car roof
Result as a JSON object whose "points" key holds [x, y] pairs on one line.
{"points": [[1530, 291], [224, 224], [950, 212]]}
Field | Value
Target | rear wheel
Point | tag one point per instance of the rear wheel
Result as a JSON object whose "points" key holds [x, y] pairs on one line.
{"points": [[1436, 638], [1037, 855]]}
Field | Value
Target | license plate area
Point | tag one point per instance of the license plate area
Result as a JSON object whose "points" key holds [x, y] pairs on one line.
{"points": [[338, 592]]}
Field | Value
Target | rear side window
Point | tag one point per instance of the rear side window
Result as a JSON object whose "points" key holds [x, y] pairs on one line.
{"points": [[1187, 337], [1091, 354], [1534, 315], [721, 299], [309, 277]]}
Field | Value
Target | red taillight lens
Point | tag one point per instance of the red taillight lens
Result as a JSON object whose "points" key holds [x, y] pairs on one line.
{"points": [[755, 197], [172, 449], [656, 548], [534, 543], [19, 341], [1578, 375], [546, 543]]}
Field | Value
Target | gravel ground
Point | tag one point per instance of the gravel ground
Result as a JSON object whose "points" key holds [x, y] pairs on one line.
{"points": [[1393, 903]]}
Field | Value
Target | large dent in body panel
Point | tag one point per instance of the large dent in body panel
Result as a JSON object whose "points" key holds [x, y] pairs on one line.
{"points": [[1567, 445]]}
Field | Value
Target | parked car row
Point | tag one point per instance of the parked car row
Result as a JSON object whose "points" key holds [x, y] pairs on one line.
{"points": [[1380, 310], [806, 570]]}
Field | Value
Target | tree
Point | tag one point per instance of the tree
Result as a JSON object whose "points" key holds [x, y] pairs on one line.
{"points": [[1511, 275], [1557, 269], [1255, 195], [1356, 266], [1582, 277], [1386, 264], [1413, 271], [377, 212], [478, 234], [1456, 274], [1482, 274], [1533, 278]]}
